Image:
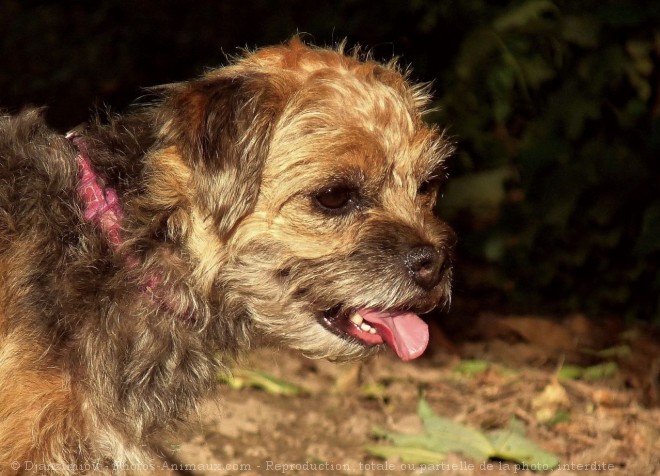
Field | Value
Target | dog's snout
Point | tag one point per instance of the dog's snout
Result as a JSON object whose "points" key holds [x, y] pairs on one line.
{"points": [[425, 265]]}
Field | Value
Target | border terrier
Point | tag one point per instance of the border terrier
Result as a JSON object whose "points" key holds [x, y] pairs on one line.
{"points": [[285, 199]]}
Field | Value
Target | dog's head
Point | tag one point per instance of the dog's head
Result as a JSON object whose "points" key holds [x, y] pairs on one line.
{"points": [[311, 182]]}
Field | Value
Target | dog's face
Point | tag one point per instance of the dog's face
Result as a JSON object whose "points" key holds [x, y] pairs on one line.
{"points": [[330, 244]]}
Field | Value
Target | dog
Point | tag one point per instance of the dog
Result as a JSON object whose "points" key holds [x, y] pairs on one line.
{"points": [[285, 199]]}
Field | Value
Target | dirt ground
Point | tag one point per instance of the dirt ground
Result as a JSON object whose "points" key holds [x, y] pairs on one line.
{"points": [[482, 373]]}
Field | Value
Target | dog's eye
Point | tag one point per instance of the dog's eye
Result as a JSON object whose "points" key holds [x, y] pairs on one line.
{"points": [[334, 198]]}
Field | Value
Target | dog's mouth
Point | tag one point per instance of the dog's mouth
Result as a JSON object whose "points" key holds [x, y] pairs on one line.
{"points": [[403, 331]]}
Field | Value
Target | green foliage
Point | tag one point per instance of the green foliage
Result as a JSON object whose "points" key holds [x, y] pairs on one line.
{"points": [[595, 372], [471, 368], [442, 436], [243, 378], [565, 96]]}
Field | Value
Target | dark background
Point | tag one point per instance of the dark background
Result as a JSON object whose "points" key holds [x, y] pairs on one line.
{"points": [[555, 106]]}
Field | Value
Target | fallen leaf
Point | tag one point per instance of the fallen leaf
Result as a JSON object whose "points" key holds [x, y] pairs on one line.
{"points": [[600, 371], [549, 401], [409, 440], [406, 454], [510, 445], [442, 436], [619, 351], [570, 372], [243, 378], [595, 372], [450, 436], [471, 367]]}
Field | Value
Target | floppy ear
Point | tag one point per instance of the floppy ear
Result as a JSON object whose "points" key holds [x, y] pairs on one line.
{"points": [[221, 124]]}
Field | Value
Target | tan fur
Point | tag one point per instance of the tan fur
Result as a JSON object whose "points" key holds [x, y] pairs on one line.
{"points": [[226, 243], [38, 416]]}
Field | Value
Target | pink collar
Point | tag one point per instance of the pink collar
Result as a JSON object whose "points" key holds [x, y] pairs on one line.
{"points": [[102, 206]]}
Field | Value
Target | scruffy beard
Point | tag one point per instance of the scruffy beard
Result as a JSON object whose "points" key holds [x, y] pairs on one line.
{"points": [[316, 306]]}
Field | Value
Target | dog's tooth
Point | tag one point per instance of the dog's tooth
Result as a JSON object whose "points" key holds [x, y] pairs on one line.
{"points": [[365, 327], [372, 331], [356, 319]]}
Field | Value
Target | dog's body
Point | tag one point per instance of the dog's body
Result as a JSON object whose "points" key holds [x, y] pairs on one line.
{"points": [[285, 199]]}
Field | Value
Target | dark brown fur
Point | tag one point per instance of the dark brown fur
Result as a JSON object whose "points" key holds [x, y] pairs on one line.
{"points": [[216, 182]]}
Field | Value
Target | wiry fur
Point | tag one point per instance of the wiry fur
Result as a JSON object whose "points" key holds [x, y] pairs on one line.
{"points": [[217, 183]]}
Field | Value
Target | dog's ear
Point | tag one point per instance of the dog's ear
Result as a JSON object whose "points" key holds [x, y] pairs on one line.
{"points": [[221, 124]]}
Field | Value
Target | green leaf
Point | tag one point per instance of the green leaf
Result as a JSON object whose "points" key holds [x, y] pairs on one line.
{"points": [[407, 454], [595, 372], [408, 440], [618, 351], [471, 367], [523, 14], [450, 436], [443, 436], [243, 378], [600, 371], [377, 391], [512, 446]]}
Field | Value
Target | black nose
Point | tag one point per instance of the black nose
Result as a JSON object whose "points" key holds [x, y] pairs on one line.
{"points": [[425, 266]]}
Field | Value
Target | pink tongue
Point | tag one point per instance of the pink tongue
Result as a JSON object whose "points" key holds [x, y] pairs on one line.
{"points": [[404, 332]]}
